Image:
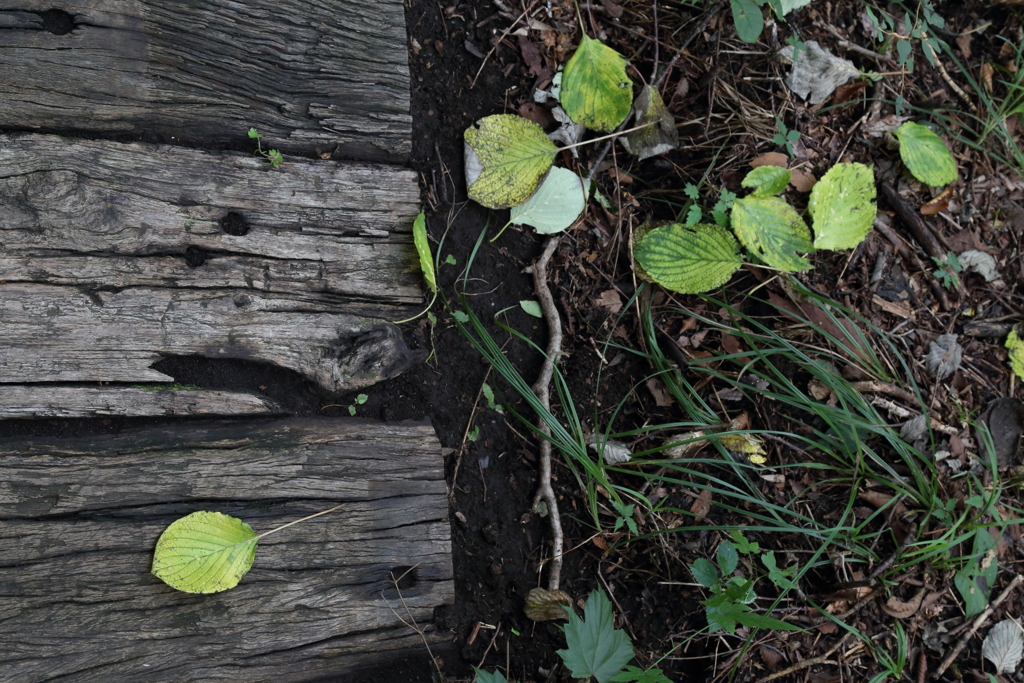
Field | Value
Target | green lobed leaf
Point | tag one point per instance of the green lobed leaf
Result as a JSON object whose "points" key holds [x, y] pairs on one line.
{"points": [[595, 647], [747, 17], [634, 674], [532, 307], [705, 573], [728, 558], [975, 581], [842, 206], [773, 231], [688, 259], [767, 180], [553, 206], [506, 157], [596, 92], [660, 135], [742, 544], [925, 154], [487, 677], [204, 552], [419, 238]]}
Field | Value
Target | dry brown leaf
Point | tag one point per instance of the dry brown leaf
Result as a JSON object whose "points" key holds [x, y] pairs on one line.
{"points": [[615, 174], [611, 300], [895, 607], [536, 113], [963, 41], [771, 159], [701, 505], [845, 93], [544, 605], [986, 76], [662, 398], [802, 181], [818, 389], [771, 657], [933, 208], [599, 542]]}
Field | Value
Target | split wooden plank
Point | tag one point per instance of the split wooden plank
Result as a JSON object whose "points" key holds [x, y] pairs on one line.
{"points": [[330, 75], [80, 518], [108, 215], [19, 402]]}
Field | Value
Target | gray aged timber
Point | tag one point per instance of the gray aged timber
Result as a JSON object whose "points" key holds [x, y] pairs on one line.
{"points": [[79, 519], [18, 401], [331, 75], [116, 255]]}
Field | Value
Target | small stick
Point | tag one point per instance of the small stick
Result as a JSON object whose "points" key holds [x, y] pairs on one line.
{"points": [[414, 626], [542, 387], [806, 663], [978, 623]]}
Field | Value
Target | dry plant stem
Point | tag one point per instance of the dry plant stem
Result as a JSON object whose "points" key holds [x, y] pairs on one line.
{"points": [[414, 626], [853, 47], [909, 256], [542, 387], [806, 663], [978, 622], [682, 48], [949, 81]]}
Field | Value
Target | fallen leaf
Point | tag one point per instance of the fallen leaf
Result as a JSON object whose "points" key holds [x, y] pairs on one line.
{"points": [[963, 41], [531, 55], [845, 93], [701, 504], [802, 181], [611, 300], [613, 9], [932, 208], [986, 73], [771, 159], [599, 542], [536, 113], [914, 429], [944, 356], [1003, 417], [895, 607], [615, 174], [662, 398], [660, 135], [611, 450], [771, 657], [816, 71], [818, 389], [1003, 646], [543, 605], [980, 263]]}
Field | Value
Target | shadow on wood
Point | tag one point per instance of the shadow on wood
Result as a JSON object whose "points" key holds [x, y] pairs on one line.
{"points": [[80, 518]]}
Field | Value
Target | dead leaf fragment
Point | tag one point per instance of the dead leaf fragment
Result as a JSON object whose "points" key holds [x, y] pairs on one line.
{"points": [[1003, 646], [660, 135], [895, 607], [914, 429], [701, 504], [944, 356], [544, 605], [662, 398], [1003, 417], [986, 76], [611, 300], [980, 263], [771, 159], [816, 72], [802, 181]]}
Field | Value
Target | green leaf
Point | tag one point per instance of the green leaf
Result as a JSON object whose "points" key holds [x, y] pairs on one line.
{"points": [[634, 674], [728, 558], [772, 230], [688, 259], [460, 316], [1016, 347], [779, 577], [253, 133], [595, 89], [555, 205], [485, 677], [767, 180], [532, 307], [419, 238], [506, 157], [276, 159], [595, 647], [660, 135], [842, 206], [450, 260], [747, 17], [705, 573], [742, 544], [724, 611], [205, 552], [925, 154], [977, 578], [693, 215]]}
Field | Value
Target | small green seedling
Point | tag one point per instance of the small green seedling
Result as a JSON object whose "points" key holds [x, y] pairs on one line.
{"points": [[272, 155], [624, 517], [947, 270], [473, 433], [785, 137], [360, 400]]}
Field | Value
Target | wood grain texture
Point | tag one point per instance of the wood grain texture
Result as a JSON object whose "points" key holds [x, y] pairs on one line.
{"points": [[20, 402], [331, 74], [108, 215], [79, 519]]}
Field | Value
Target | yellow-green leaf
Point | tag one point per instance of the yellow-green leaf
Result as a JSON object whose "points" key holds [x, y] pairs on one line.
{"points": [[925, 154], [1016, 347], [767, 180], [506, 156], [842, 206], [746, 444], [660, 135], [595, 89], [688, 260], [205, 552], [773, 231], [419, 237]]}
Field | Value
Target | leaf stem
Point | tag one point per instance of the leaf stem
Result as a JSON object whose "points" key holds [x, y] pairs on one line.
{"points": [[285, 526]]}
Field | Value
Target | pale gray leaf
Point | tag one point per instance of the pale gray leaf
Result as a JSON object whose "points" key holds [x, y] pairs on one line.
{"points": [[944, 356], [613, 451], [1003, 646], [981, 263], [914, 429], [816, 71]]}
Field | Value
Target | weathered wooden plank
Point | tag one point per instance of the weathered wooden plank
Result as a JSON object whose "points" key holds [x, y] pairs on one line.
{"points": [[79, 519], [61, 334], [18, 402], [331, 74], [109, 215]]}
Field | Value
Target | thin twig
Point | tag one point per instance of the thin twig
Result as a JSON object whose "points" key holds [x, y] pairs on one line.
{"points": [[542, 387], [686, 43], [806, 663], [978, 623], [414, 626]]}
